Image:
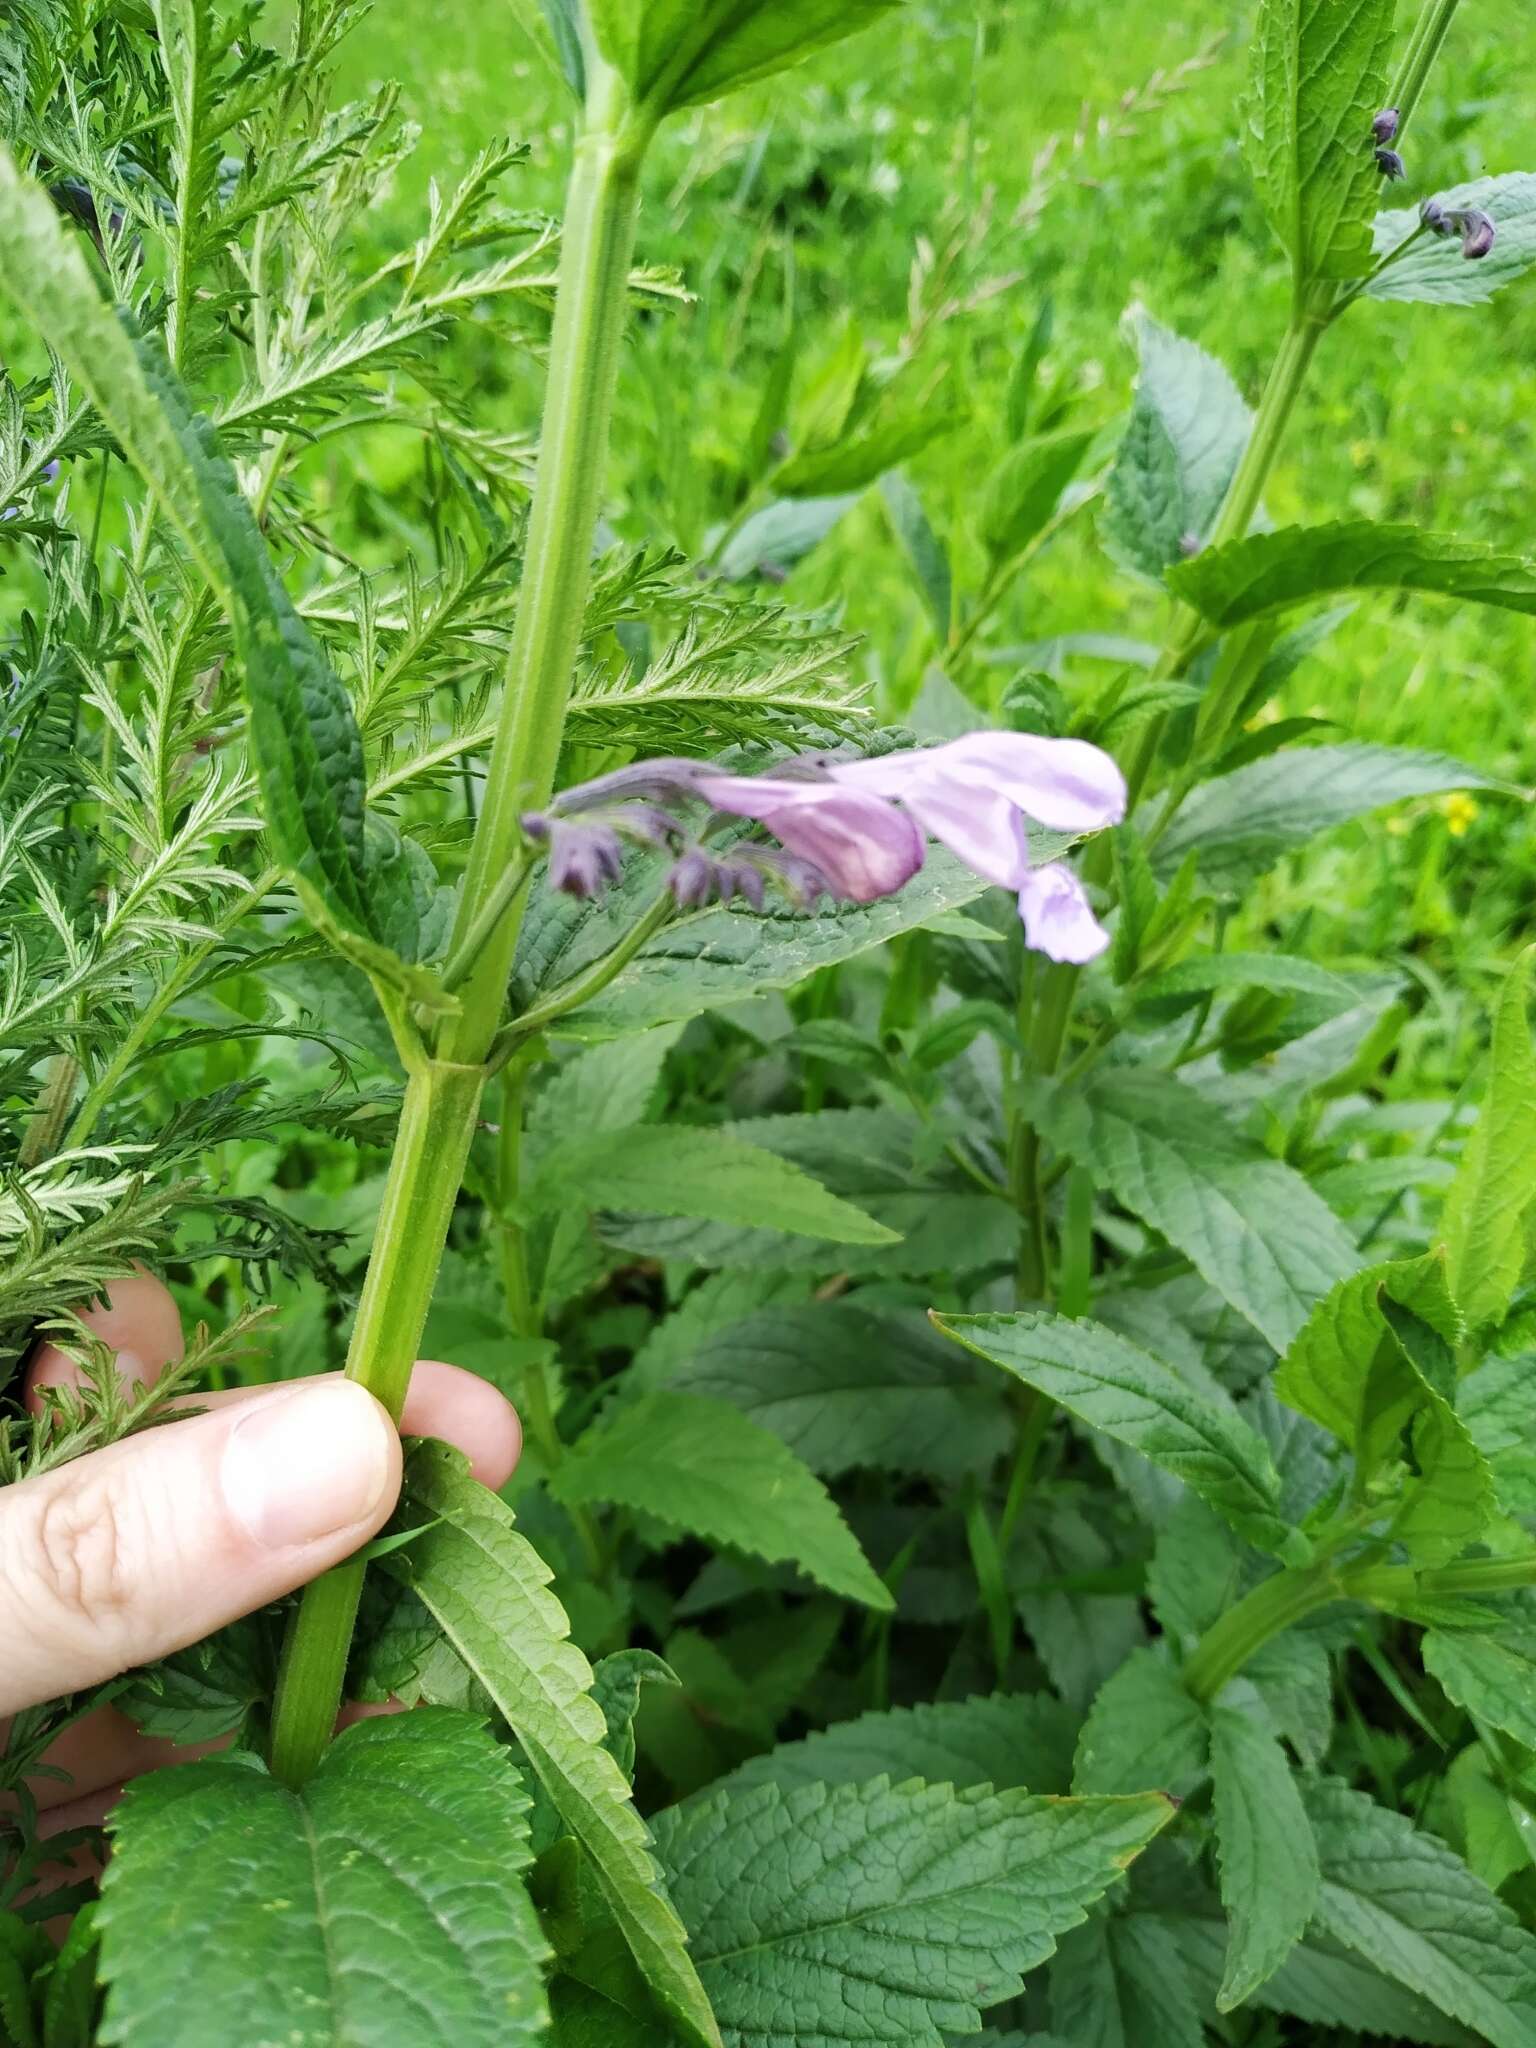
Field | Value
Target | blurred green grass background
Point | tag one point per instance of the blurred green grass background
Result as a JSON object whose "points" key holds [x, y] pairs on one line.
{"points": [[1087, 150]]}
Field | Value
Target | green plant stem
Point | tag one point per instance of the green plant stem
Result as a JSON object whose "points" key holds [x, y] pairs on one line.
{"points": [[1274, 1605], [1414, 66], [437, 1122], [442, 1100], [599, 239], [581, 988]]}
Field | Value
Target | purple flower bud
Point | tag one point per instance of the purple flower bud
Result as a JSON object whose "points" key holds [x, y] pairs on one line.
{"points": [[1384, 126], [692, 879], [536, 826], [1477, 233], [1190, 545], [1390, 165], [1435, 218], [584, 859], [662, 781]]}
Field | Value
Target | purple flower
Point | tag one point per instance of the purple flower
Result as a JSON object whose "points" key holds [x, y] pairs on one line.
{"points": [[1477, 233], [862, 846], [1390, 165], [1058, 919], [583, 859], [1384, 126]]}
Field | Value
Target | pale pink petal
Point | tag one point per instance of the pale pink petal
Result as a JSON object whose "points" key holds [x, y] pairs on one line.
{"points": [[1058, 919], [979, 825], [1066, 785], [864, 846]]}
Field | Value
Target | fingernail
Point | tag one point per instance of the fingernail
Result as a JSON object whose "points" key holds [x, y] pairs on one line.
{"points": [[132, 1370], [308, 1464]]}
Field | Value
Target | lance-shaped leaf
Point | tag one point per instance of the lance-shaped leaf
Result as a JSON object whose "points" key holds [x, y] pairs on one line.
{"points": [[380, 1902], [489, 1590], [1432, 269], [678, 53], [1133, 1397], [1319, 75], [703, 1468], [1408, 1904], [1239, 824], [1249, 1224], [1491, 1675], [1268, 1858], [1184, 439], [304, 738], [1269, 572], [855, 1914], [1483, 1226]]}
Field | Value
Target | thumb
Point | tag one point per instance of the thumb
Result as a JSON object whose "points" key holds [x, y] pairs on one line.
{"points": [[155, 1542]]}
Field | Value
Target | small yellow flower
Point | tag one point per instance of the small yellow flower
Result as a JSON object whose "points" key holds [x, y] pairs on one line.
{"points": [[1399, 826], [1458, 809]]}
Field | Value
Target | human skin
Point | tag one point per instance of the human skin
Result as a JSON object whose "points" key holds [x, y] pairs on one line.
{"points": [[137, 1550]]}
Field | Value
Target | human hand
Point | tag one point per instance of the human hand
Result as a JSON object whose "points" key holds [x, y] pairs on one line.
{"points": [[147, 1546]]}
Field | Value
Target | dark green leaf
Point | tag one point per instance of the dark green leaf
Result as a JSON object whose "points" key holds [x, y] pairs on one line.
{"points": [[702, 1467], [1141, 1402], [1185, 436], [1269, 1873], [869, 1913], [1269, 572], [847, 1387], [1242, 823], [488, 1589], [406, 1844], [1319, 75]]}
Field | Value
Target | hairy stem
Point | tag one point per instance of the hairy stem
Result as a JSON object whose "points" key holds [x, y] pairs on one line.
{"points": [[589, 316], [442, 1100], [437, 1122], [1273, 1606]]}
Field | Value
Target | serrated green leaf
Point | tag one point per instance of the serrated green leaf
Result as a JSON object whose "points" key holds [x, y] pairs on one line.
{"points": [[1006, 1740], [847, 1387], [1120, 1982], [1269, 572], [605, 1088], [1321, 1982], [1136, 1399], [1433, 271], [1375, 1358], [1319, 75], [670, 1170], [1184, 439], [722, 955], [488, 1589], [616, 1684], [1483, 1222], [1412, 1907], [1239, 824], [1492, 1676], [835, 1915], [880, 1159], [678, 53], [304, 738], [1249, 1224], [406, 1841], [1026, 487], [702, 1467], [1267, 1857], [583, 2018], [1144, 1733], [1217, 973], [1498, 1405]]}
